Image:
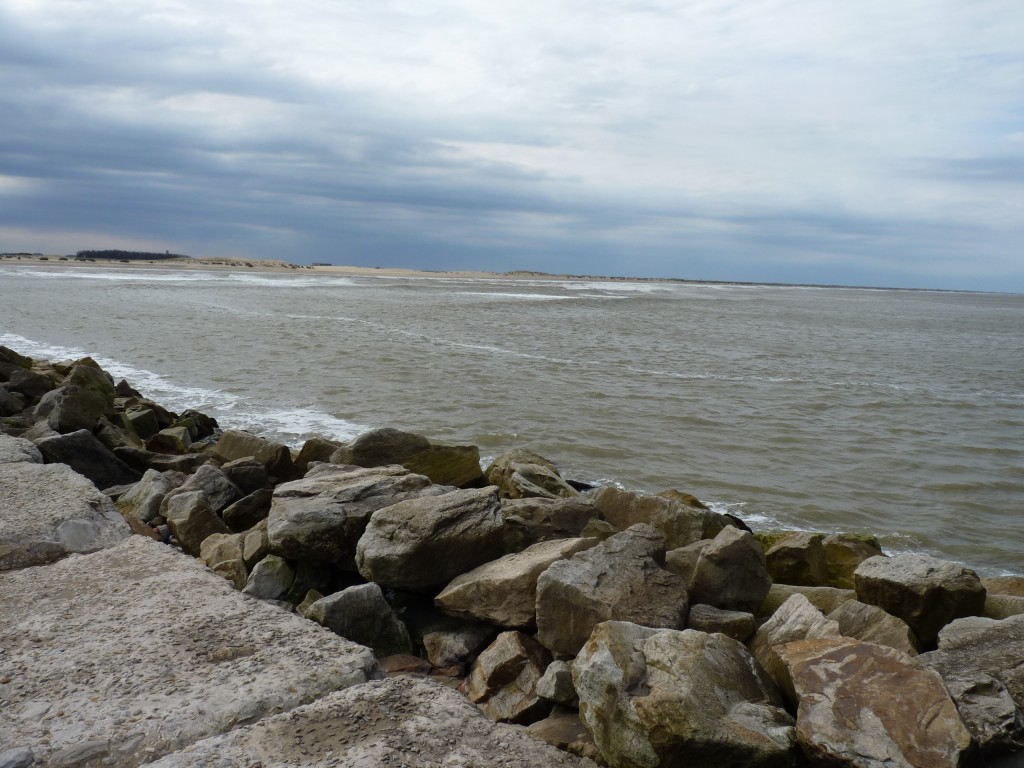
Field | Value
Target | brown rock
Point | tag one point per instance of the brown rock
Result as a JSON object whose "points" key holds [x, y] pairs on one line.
{"points": [[873, 625], [680, 523], [798, 558], [843, 553], [503, 681], [730, 572]]}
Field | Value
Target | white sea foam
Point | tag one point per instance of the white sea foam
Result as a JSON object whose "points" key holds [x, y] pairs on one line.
{"points": [[220, 278]]}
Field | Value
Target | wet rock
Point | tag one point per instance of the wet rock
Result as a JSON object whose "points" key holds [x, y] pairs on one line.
{"points": [[731, 572], [362, 615], [735, 624], [503, 681], [457, 465], [798, 558], [619, 579], [17, 450], [873, 625], [680, 523], [925, 592], [87, 456], [271, 578]]}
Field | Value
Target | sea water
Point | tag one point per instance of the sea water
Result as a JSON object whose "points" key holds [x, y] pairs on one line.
{"points": [[899, 413]]}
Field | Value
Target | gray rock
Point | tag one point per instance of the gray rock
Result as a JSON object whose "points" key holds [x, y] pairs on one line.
{"points": [[657, 697], [49, 511], [681, 524], [362, 615], [11, 403], [248, 510], [619, 579], [322, 516], [18, 757], [925, 592], [825, 599], [191, 519], [214, 484], [71, 408], [556, 685], [532, 520], [873, 625], [17, 449], [798, 558], [520, 474], [796, 619], [142, 501], [86, 455], [456, 465], [730, 572], [425, 542], [247, 474], [682, 561], [271, 578], [235, 444], [735, 624], [316, 448], [503, 681], [180, 670], [455, 644]]}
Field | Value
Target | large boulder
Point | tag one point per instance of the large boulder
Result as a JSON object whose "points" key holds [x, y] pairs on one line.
{"points": [[925, 592], [873, 625], [270, 579], [738, 625], [220, 492], [620, 579], [276, 457], [31, 384], [321, 517], [681, 523], [73, 408], [223, 554], [457, 465], [504, 592], [191, 519], [863, 705], [503, 681], [843, 553], [86, 455], [795, 620], [730, 572], [247, 474], [318, 449], [362, 615], [48, 511], [248, 510], [798, 558], [521, 474], [142, 501], [17, 449], [424, 542], [825, 599], [664, 698], [532, 520]]}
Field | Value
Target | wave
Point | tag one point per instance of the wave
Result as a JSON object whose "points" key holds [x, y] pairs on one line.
{"points": [[221, 278]]}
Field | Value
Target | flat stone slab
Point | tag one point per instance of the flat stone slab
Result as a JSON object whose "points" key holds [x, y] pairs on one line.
{"points": [[401, 721], [48, 511], [124, 655]]}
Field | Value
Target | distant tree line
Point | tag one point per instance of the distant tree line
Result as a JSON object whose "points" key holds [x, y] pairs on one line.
{"points": [[134, 255]]}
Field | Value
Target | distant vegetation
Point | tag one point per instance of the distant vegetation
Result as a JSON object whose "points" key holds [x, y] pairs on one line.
{"points": [[132, 255]]}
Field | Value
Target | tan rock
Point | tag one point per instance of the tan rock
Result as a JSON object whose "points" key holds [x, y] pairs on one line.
{"points": [[503, 680], [680, 523], [873, 625], [796, 619], [843, 553], [798, 558], [825, 599], [457, 465], [731, 572]]}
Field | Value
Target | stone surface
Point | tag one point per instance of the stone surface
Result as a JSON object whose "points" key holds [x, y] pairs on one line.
{"points": [[1004, 585], [362, 615], [401, 721], [679, 698], [682, 561], [16, 449], [248, 510], [619, 579], [222, 554], [796, 619], [456, 645], [521, 473], [532, 520], [735, 624], [236, 444], [843, 553], [457, 465], [322, 516], [81, 451], [143, 500], [48, 511], [504, 591], [863, 705], [873, 625], [681, 523], [556, 685], [70, 408], [96, 654], [565, 731], [214, 484], [316, 448], [247, 474], [425, 542], [503, 680], [798, 558], [17, 757], [925, 592], [825, 599], [191, 519], [271, 578], [730, 572]]}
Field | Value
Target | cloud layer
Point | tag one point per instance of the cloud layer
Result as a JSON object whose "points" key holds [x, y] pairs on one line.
{"points": [[778, 140]]}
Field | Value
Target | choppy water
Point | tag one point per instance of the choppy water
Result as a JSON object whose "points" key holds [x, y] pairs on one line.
{"points": [[895, 412]]}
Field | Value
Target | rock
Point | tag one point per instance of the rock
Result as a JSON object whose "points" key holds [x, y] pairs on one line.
{"points": [[271, 578], [17, 450], [213, 483], [681, 523], [18, 757], [503, 681], [731, 573], [425, 542], [174, 440], [653, 697], [255, 545], [683, 498], [682, 561], [235, 444], [1003, 606], [1004, 585], [316, 449], [619, 579], [565, 731], [311, 576], [529, 521], [362, 615], [95, 642], [142, 501], [140, 460], [73, 408], [49, 511], [191, 519], [141, 420], [401, 721], [843, 553], [222, 553], [322, 516], [9, 356], [87, 375], [979, 660], [504, 592], [87, 456], [456, 644], [248, 510], [32, 384], [735, 624], [798, 558], [925, 592], [113, 436], [11, 403], [862, 704], [873, 625], [556, 685], [199, 425], [796, 619], [520, 481], [247, 474], [825, 599], [456, 465]]}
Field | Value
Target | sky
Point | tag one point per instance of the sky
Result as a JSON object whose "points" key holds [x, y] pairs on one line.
{"points": [[876, 142]]}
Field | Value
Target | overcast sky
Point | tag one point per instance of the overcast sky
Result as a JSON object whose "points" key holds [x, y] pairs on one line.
{"points": [[871, 142]]}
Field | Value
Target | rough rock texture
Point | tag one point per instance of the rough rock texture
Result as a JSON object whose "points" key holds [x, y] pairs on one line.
{"points": [[16, 449], [235, 444], [248, 510], [735, 624], [665, 698], [825, 599], [843, 553], [397, 722], [457, 465], [982, 663], [72, 408], [222, 554], [865, 705], [798, 558], [142, 501], [81, 451], [247, 474], [316, 448], [556, 685], [503, 681], [682, 561], [48, 511], [620, 579], [1003, 606], [529, 521], [504, 592], [682, 524], [449, 646], [191, 519], [321, 517], [271, 578], [96, 656], [521, 474], [730, 572], [215, 485], [565, 731], [925, 592], [425, 542], [362, 615], [873, 625], [796, 619]]}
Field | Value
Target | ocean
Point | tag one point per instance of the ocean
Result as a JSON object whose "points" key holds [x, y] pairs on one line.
{"points": [[899, 413]]}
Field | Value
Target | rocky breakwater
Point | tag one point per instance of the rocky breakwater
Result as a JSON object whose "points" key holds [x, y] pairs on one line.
{"points": [[322, 607]]}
